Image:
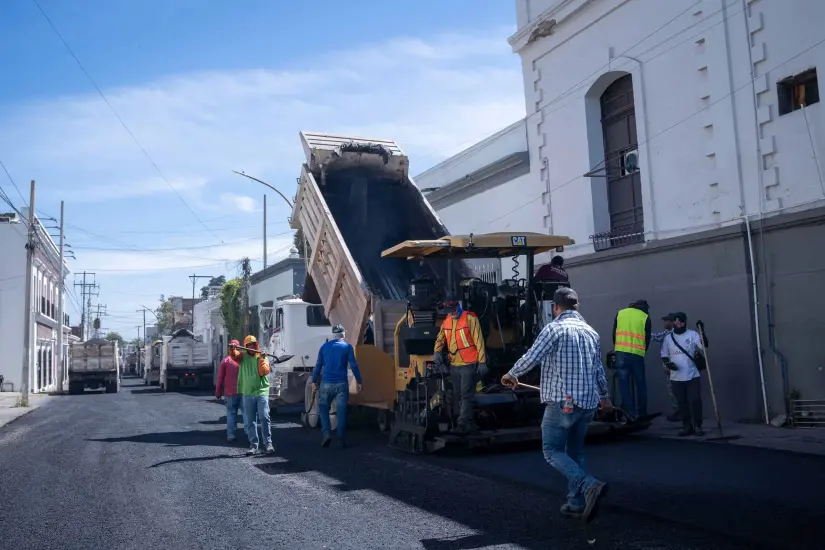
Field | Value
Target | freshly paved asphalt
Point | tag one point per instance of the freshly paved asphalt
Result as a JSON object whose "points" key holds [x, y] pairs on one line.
{"points": [[143, 469]]}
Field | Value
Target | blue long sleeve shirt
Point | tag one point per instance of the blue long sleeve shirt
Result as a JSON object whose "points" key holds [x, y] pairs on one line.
{"points": [[333, 358]]}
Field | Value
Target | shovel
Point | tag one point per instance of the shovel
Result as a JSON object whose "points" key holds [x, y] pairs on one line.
{"points": [[280, 359]]}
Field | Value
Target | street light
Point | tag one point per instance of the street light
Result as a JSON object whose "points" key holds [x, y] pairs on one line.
{"points": [[262, 182]]}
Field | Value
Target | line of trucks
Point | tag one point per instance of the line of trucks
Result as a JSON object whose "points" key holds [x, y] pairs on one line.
{"points": [[381, 262]]}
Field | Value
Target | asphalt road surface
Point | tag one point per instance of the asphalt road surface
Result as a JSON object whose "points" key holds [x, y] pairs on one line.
{"points": [[143, 469]]}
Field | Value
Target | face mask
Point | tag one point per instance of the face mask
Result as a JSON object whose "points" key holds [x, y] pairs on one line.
{"points": [[679, 330]]}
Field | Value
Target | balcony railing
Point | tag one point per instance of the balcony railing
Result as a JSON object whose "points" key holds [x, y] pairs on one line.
{"points": [[623, 235]]}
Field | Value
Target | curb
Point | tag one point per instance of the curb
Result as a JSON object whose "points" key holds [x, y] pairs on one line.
{"points": [[19, 416]]}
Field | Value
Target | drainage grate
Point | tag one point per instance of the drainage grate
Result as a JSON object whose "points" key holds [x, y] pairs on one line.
{"points": [[808, 413]]}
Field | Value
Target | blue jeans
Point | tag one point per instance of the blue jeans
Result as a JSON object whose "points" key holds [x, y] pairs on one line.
{"points": [[631, 369], [255, 415], [233, 406], [562, 440], [339, 393]]}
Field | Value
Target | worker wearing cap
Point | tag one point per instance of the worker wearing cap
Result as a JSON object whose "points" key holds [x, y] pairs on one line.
{"points": [[253, 384], [335, 357], [461, 334], [631, 337], [573, 386], [226, 387], [678, 354]]}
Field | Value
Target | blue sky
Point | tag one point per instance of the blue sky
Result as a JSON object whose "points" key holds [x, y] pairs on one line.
{"points": [[208, 87]]}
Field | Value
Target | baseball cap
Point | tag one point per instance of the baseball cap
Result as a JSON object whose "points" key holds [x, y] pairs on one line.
{"points": [[680, 316], [669, 317], [566, 297], [338, 329]]}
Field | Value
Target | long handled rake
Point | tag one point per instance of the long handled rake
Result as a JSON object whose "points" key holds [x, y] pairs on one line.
{"points": [[722, 436]]}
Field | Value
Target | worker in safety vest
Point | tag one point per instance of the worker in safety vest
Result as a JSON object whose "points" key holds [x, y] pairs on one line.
{"points": [[631, 337], [461, 334]]}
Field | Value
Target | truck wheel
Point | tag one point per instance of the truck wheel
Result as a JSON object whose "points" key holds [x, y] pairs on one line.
{"points": [[310, 416], [111, 387], [75, 388]]}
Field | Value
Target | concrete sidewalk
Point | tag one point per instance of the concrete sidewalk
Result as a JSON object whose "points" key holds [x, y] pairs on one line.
{"points": [[797, 440], [9, 409]]}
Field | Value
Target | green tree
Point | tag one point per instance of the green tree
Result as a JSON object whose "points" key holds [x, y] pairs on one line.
{"points": [[214, 281], [165, 314], [116, 337], [298, 241], [232, 308]]}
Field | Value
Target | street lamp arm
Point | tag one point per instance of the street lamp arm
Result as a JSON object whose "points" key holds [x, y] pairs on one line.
{"points": [[149, 310], [289, 202]]}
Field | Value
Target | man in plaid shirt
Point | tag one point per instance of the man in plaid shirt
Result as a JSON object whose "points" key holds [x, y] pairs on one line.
{"points": [[573, 386]]}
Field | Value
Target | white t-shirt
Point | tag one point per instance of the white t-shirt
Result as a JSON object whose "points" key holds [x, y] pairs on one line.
{"points": [[690, 341]]}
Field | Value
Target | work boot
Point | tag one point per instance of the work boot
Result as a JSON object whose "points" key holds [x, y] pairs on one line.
{"points": [[594, 492], [684, 432], [325, 440], [699, 431], [253, 450], [230, 439], [570, 511], [342, 444], [270, 448]]}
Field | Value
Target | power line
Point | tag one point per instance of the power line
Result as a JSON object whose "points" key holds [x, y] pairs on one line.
{"points": [[125, 127], [585, 83], [11, 179]]}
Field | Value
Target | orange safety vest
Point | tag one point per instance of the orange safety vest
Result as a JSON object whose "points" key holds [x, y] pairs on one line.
{"points": [[464, 342]]}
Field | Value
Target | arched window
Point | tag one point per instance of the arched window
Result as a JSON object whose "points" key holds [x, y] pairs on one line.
{"points": [[624, 187]]}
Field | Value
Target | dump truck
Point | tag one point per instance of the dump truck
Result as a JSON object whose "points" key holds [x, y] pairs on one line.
{"points": [[381, 257], [94, 364], [151, 361], [186, 363]]}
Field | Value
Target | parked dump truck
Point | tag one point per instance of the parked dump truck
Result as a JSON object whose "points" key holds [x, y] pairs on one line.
{"points": [[94, 364], [150, 362], [355, 204], [186, 363]]}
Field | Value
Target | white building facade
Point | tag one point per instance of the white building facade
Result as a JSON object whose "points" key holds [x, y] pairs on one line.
{"points": [[45, 355], [680, 144]]}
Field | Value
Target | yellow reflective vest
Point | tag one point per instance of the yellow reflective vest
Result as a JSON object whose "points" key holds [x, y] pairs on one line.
{"points": [[630, 331]]}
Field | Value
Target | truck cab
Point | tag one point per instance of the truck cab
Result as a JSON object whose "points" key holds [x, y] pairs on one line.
{"points": [[298, 328]]}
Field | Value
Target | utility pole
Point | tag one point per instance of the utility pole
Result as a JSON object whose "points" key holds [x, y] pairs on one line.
{"points": [[96, 321], [85, 300], [142, 342], [60, 312], [247, 271], [27, 334], [264, 230], [194, 278]]}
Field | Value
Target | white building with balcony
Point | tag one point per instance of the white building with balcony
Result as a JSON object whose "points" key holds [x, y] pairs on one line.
{"points": [[45, 355], [681, 145]]}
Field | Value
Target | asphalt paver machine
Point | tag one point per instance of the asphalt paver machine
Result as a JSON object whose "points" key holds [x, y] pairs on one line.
{"points": [[511, 314]]}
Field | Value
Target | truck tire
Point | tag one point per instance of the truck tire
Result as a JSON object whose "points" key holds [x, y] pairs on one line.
{"points": [[111, 387], [75, 388], [310, 417]]}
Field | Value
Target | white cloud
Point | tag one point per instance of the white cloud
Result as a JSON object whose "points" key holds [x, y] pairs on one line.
{"points": [[433, 96], [223, 257], [241, 202]]}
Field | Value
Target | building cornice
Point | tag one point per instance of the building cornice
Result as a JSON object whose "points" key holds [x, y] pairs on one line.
{"points": [[546, 22], [491, 176]]}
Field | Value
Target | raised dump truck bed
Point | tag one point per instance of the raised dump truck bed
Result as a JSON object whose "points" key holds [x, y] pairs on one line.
{"points": [[356, 199]]}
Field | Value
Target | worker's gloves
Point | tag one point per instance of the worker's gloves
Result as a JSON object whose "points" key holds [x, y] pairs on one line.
{"points": [[483, 370], [700, 326], [669, 365]]}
